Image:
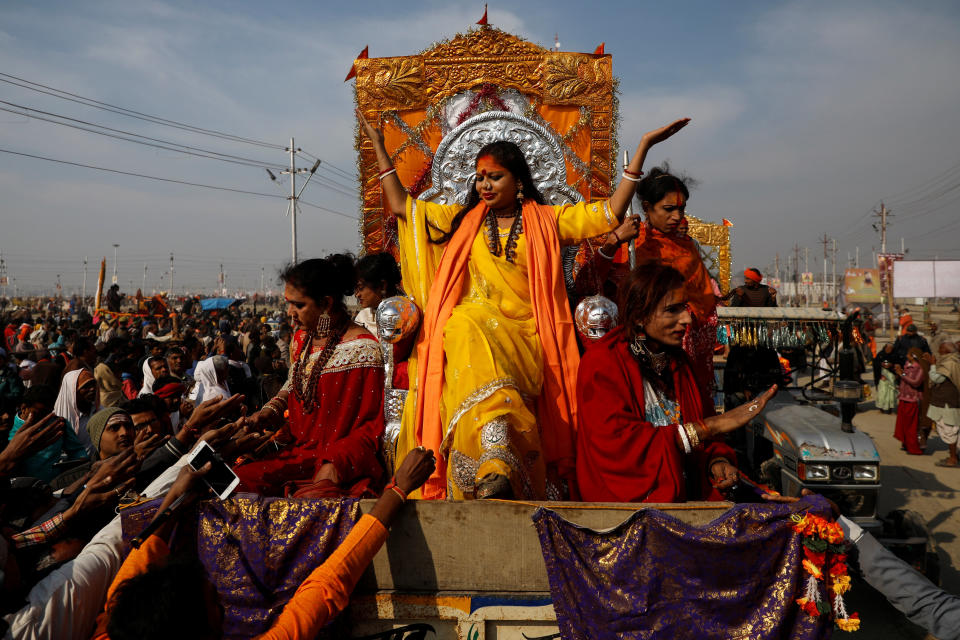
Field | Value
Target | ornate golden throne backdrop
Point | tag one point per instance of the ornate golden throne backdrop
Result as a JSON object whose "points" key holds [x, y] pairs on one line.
{"points": [[438, 107]]}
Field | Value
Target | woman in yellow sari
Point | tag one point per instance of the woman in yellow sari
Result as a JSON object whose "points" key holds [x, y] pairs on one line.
{"points": [[493, 373]]}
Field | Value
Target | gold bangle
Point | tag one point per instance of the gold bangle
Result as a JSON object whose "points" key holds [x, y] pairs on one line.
{"points": [[692, 435]]}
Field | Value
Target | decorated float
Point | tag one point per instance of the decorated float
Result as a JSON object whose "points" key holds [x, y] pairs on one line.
{"points": [[479, 570], [513, 570]]}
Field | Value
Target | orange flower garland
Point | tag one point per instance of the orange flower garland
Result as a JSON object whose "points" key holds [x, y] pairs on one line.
{"points": [[824, 559]]}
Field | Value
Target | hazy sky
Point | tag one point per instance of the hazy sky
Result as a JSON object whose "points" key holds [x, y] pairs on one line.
{"points": [[805, 115]]}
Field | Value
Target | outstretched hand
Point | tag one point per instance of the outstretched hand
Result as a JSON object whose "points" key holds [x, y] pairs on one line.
{"points": [[657, 136], [375, 135], [415, 469], [735, 418], [36, 434]]}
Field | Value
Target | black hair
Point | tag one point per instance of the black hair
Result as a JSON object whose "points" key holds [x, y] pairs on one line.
{"points": [[41, 394], [660, 182], [511, 158], [318, 278], [137, 405], [166, 601], [377, 268], [642, 292]]}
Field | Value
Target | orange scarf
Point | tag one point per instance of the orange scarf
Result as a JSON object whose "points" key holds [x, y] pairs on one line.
{"points": [[556, 405]]}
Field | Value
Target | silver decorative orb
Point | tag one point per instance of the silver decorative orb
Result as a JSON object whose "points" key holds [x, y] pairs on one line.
{"points": [[594, 317], [397, 318]]}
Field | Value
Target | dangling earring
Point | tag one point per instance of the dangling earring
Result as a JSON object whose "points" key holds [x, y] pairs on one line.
{"points": [[520, 195], [657, 361], [323, 326]]}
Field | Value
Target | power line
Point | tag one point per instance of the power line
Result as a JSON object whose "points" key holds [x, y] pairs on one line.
{"points": [[106, 106], [915, 192], [226, 157], [316, 206], [90, 102], [140, 175], [332, 166], [184, 182]]}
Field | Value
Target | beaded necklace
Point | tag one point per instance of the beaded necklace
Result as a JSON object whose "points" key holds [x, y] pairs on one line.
{"points": [[306, 394], [509, 250]]}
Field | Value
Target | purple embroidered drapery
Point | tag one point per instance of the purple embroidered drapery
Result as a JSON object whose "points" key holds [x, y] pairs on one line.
{"points": [[656, 577], [258, 550]]}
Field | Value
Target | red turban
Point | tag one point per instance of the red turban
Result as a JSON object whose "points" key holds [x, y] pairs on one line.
{"points": [[753, 274]]}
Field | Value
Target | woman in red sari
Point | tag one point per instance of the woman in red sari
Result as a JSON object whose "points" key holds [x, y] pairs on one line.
{"points": [[333, 395], [646, 425], [908, 410]]}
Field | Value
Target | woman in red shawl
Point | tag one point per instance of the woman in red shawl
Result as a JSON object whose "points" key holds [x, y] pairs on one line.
{"points": [[334, 393], [646, 425]]}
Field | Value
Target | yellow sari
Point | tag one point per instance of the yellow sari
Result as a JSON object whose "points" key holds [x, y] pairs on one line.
{"points": [[493, 369]]}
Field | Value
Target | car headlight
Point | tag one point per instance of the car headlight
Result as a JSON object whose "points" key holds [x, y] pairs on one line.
{"points": [[814, 472], [865, 472]]}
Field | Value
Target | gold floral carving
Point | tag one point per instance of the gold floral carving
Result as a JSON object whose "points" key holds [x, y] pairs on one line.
{"points": [[391, 81], [444, 80], [572, 78], [717, 237], [483, 43]]}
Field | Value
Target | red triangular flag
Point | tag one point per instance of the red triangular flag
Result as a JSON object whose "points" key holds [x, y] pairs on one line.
{"points": [[599, 50], [484, 20], [353, 68], [727, 223]]}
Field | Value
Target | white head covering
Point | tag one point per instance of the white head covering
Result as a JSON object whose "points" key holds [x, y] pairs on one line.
{"points": [[148, 378], [208, 386], [66, 407]]}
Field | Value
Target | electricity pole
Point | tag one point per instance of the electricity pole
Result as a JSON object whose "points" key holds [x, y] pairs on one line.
{"points": [[83, 294], [883, 214], [294, 196], [171, 277], [3, 276], [143, 288], [834, 278], [823, 294], [115, 281], [796, 275]]}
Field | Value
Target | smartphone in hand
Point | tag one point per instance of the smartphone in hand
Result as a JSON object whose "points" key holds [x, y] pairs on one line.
{"points": [[221, 477]]}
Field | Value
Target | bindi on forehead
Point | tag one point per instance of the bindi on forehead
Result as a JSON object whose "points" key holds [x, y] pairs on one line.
{"points": [[487, 165]]}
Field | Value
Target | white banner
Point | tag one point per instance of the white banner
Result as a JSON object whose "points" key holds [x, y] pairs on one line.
{"points": [[926, 279]]}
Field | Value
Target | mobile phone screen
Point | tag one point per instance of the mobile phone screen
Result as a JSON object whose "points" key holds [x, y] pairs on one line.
{"points": [[220, 476]]}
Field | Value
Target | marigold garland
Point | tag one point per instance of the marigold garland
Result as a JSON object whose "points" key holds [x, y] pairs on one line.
{"points": [[824, 559]]}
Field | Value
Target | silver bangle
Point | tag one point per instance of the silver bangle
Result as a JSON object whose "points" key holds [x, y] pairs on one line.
{"points": [[630, 178], [600, 251], [386, 173], [684, 439]]}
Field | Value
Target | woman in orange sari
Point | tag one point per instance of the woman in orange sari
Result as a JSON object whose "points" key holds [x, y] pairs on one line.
{"points": [[493, 373], [663, 238]]}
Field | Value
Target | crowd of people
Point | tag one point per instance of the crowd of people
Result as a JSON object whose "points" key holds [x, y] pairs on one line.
{"points": [[504, 401], [918, 378]]}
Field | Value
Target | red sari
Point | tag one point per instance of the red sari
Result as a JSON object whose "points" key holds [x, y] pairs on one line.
{"points": [[345, 429], [621, 457]]}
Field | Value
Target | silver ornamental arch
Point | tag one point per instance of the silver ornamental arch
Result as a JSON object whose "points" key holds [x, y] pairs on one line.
{"points": [[454, 162]]}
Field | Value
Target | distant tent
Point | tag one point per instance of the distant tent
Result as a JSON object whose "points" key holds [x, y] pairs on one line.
{"points": [[219, 304]]}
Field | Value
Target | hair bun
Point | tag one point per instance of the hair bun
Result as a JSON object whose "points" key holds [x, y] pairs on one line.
{"points": [[344, 272]]}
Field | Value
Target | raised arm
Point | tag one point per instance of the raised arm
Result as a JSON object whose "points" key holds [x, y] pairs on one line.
{"points": [[392, 187], [628, 183]]}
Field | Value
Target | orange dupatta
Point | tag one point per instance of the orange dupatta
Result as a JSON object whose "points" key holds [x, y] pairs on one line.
{"points": [[556, 404]]}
